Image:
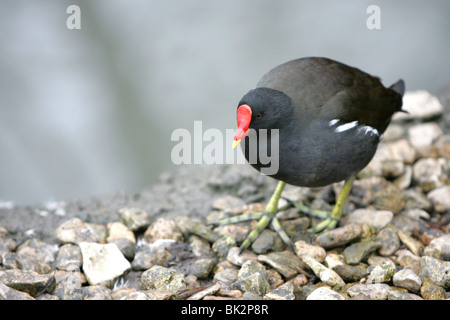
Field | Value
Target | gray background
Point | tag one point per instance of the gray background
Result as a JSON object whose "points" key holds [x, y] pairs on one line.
{"points": [[91, 111]]}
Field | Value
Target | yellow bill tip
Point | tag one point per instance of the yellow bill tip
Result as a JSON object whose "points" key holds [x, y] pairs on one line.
{"points": [[235, 143]]}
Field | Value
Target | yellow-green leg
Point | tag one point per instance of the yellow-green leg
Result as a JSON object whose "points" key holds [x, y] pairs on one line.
{"points": [[331, 221], [268, 216]]}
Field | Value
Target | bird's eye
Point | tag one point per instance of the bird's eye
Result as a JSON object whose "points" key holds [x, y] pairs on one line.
{"points": [[259, 116]]}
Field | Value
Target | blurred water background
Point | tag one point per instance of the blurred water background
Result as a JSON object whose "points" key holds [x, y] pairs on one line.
{"points": [[91, 111]]}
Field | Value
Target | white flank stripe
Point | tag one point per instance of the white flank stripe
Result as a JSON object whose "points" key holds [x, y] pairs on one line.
{"points": [[346, 126]]}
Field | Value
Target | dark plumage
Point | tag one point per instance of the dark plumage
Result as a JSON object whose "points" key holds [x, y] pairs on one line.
{"points": [[330, 118], [301, 98]]}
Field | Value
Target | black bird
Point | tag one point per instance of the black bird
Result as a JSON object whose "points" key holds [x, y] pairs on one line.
{"points": [[330, 118]]}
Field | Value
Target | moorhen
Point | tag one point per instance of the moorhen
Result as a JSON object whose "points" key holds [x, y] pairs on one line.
{"points": [[330, 118]]}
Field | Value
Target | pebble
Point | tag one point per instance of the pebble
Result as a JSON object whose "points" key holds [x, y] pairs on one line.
{"points": [[68, 285], [7, 293], [435, 271], [304, 249], [357, 252], [283, 292], [324, 293], [135, 219], [69, 257], [423, 135], [326, 275], [222, 245], [231, 204], [440, 198], [398, 295], [163, 229], [123, 237], [36, 255], [238, 259], [407, 279], [103, 263], [27, 281], [252, 277], [382, 272], [332, 260], [97, 292], [430, 291], [408, 260], [410, 243], [376, 218], [75, 231], [439, 248], [195, 226], [420, 105], [376, 291], [389, 241], [161, 278], [339, 236], [428, 173], [285, 262], [350, 273]]}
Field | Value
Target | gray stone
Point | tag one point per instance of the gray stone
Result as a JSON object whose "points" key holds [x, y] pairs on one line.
{"points": [[161, 278], [377, 291], [382, 272], [202, 267], [124, 238], [103, 263], [27, 281], [398, 295], [75, 231], [326, 275], [420, 105], [231, 204], [36, 255], [68, 285], [7, 293], [253, 277], [163, 229], [339, 236], [376, 218], [407, 279], [324, 293], [222, 245], [285, 262], [97, 292], [439, 248], [238, 259], [435, 271], [195, 226], [423, 135], [283, 292], [429, 173], [357, 252], [389, 241], [304, 249], [68, 257], [440, 198], [135, 218], [350, 273], [411, 243]]}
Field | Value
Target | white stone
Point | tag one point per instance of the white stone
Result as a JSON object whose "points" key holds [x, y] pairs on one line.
{"points": [[420, 104], [407, 279], [103, 263], [324, 293]]}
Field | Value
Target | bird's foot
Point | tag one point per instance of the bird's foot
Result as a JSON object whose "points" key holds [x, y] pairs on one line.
{"points": [[329, 219], [265, 218]]}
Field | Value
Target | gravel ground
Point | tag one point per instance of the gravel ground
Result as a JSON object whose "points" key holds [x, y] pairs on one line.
{"points": [[393, 243]]}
